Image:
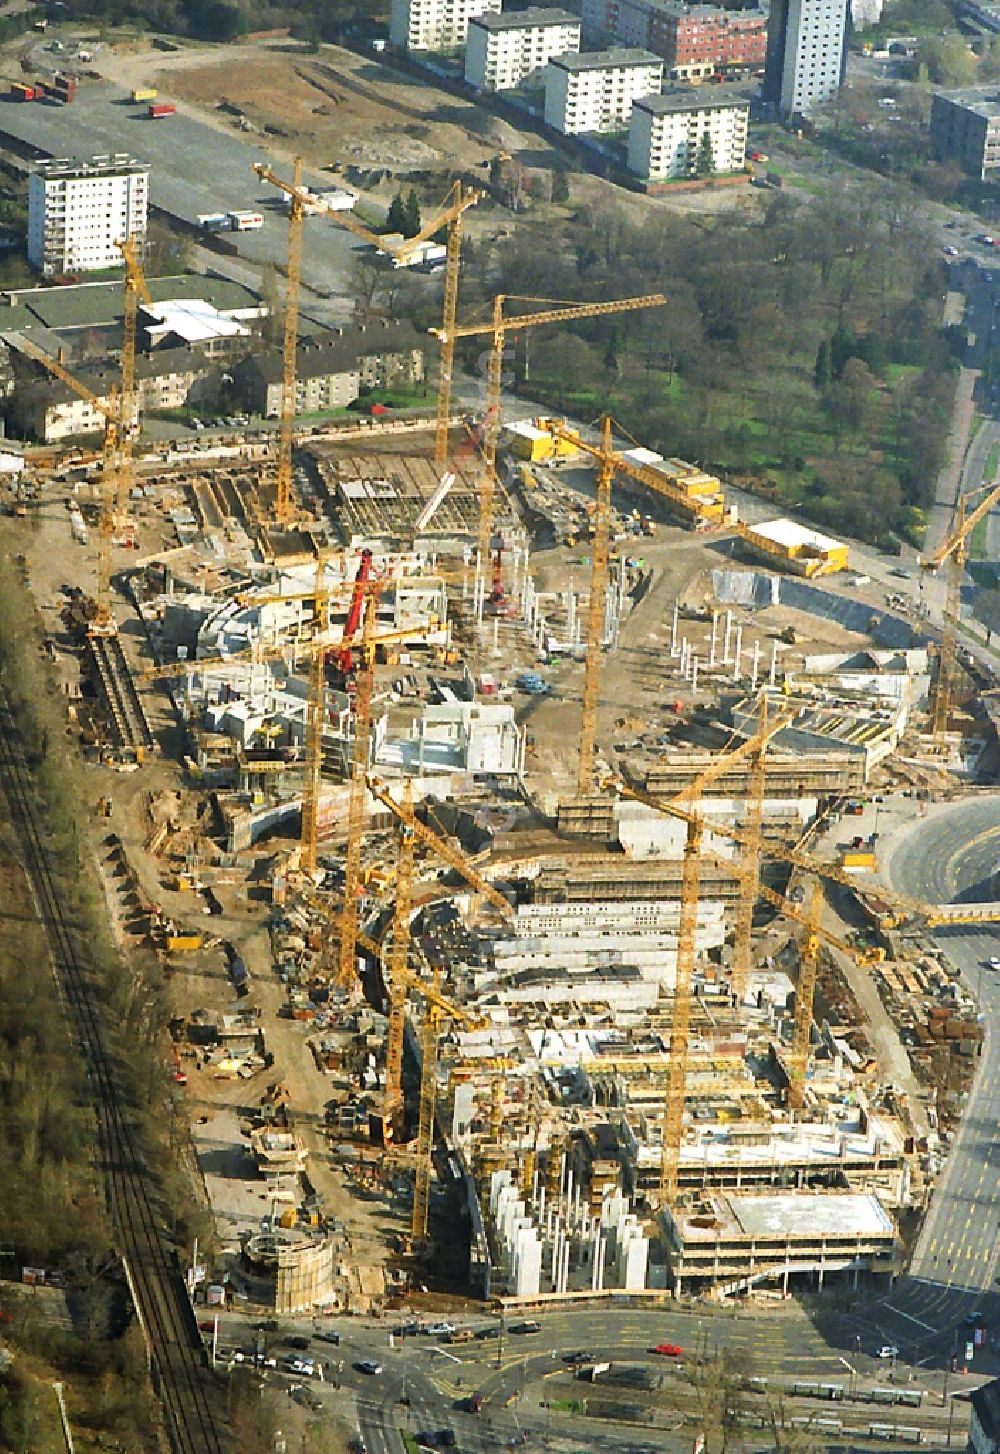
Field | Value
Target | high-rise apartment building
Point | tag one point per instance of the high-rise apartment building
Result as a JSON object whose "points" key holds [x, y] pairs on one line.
{"points": [[806, 54], [596, 91], [667, 134], [78, 210], [504, 51], [441, 25]]}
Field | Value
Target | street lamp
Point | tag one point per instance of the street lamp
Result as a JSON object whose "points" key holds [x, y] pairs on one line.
{"points": [[852, 1387]]}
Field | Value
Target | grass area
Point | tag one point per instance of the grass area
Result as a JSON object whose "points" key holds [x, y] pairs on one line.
{"points": [[977, 540], [409, 1443]]}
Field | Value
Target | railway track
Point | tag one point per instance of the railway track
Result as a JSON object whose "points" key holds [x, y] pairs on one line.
{"points": [[177, 1357]]}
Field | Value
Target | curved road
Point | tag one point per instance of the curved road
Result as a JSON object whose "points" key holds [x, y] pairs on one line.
{"points": [[953, 856]]}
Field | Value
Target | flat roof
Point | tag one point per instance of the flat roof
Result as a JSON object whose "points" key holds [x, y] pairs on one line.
{"points": [[836, 1214], [87, 305], [600, 60], [790, 534], [681, 100], [106, 164], [528, 19], [983, 100]]}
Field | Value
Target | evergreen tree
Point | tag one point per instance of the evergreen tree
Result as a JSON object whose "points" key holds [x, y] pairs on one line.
{"points": [[823, 373], [396, 217], [843, 345], [611, 362], [560, 187], [411, 214], [705, 162]]}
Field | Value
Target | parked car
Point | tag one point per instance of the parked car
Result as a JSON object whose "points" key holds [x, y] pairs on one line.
{"points": [[888, 1350], [669, 1350], [528, 1326], [328, 1336], [368, 1365]]}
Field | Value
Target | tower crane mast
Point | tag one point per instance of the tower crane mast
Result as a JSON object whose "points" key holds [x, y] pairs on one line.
{"points": [[498, 329], [953, 552]]}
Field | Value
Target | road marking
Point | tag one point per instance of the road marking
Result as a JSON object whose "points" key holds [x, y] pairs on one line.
{"points": [[909, 1317]]}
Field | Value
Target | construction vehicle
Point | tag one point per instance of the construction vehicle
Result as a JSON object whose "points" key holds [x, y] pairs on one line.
{"points": [[498, 329], [301, 203], [954, 551]]}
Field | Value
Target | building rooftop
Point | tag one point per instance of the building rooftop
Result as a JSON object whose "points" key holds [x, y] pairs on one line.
{"points": [[600, 60], [706, 12], [191, 320], [91, 305], [791, 535], [983, 100], [793, 1215], [535, 15], [684, 98], [108, 164], [986, 1402], [331, 353]]}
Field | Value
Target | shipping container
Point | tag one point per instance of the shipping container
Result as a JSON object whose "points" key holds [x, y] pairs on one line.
{"points": [[62, 88], [144, 93], [20, 92], [245, 221], [160, 108]]}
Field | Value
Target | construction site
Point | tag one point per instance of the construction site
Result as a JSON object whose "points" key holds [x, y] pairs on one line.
{"points": [[502, 812]]}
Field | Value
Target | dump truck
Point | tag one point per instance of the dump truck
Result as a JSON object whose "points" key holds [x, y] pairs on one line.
{"points": [[143, 93]]}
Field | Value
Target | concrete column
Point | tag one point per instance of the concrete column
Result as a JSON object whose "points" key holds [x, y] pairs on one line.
{"points": [[773, 673], [755, 665], [738, 654], [673, 632], [496, 636], [694, 674], [714, 641], [727, 638]]}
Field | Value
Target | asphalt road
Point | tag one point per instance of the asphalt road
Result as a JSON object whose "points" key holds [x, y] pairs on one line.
{"points": [[194, 168], [953, 855]]}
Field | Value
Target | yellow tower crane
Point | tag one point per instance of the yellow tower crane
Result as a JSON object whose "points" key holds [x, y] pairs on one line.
{"points": [[303, 202], [135, 289], [398, 967], [805, 991], [673, 1108], [364, 690], [954, 551], [110, 409], [600, 550], [446, 851], [498, 328]]}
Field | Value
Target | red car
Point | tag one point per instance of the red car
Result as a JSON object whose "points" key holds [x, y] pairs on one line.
{"points": [[669, 1350]]}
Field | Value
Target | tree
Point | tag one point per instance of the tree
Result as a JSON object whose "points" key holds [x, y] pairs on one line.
{"points": [[704, 165], [823, 371], [560, 186], [396, 217], [411, 214]]}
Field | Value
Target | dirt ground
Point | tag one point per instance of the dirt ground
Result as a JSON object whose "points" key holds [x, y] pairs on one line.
{"points": [[338, 106]]}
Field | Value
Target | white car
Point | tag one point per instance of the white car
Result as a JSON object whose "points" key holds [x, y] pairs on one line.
{"points": [[993, 962], [439, 1330], [888, 1350]]}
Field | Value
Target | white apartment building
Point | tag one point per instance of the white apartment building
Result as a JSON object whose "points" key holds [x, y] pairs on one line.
{"points": [[666, 134], [78, 210], [435, 24], [596, 91], [505, 50]]}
